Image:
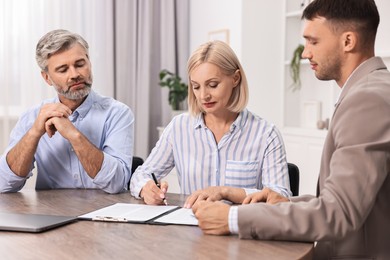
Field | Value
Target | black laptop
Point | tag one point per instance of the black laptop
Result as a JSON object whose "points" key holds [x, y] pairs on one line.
{"points": [[32, 222]]}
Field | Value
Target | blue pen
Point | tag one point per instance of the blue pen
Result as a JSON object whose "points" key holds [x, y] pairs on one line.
{"points": [[158, 185]]}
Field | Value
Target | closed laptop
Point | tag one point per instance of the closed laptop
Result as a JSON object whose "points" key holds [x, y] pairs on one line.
{"points": [[32, 222]]}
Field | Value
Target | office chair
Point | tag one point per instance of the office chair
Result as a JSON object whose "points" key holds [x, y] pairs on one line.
{"points": [[293, 173], [137, 161]]}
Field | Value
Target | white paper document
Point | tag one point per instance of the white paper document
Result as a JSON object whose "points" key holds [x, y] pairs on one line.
{"points": [[140, 213], [180, 216]]}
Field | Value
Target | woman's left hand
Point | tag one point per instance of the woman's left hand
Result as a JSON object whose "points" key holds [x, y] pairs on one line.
{"points": [[213, 193]]}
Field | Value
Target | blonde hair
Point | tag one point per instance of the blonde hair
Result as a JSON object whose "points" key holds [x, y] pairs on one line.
{"points": [[221, 55]]}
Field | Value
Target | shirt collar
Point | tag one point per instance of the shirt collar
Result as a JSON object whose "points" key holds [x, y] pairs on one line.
{"points": [[84, 108], [238, 123]]}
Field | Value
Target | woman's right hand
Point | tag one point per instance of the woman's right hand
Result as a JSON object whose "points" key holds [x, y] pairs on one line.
{"points": [[152, 194]]}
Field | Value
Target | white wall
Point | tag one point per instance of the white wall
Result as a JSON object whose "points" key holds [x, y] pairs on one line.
{"points": [[262, 55], [212, 15], [383, 36]]}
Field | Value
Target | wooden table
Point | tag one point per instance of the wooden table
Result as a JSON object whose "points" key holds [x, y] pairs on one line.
{"points": [[102, 240]]}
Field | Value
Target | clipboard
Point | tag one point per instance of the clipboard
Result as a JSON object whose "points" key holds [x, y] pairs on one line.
{"points": [[142, 214]]}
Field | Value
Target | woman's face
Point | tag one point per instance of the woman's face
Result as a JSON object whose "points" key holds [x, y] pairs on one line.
{"points": [[212, 88]]}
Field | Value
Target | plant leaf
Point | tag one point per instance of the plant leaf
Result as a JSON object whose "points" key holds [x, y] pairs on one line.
{"points": [[295, 67]]}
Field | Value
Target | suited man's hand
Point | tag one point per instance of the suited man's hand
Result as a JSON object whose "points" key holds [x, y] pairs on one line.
{"points": [[266, 195], [212, 217]]}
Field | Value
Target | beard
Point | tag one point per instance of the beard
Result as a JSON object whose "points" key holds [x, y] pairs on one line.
{"points": [[331, 69], [76, 94]]}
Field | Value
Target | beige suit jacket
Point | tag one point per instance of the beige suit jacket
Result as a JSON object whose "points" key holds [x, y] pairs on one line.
{"points": [[350, 218]]}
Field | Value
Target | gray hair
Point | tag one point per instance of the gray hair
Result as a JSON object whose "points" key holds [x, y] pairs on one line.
{"points": [[56, 41]]}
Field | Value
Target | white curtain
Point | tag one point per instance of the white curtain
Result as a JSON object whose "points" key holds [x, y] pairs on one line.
{"points": [[130, 42]]}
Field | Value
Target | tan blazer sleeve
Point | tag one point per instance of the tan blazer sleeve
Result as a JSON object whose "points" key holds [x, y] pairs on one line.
{"points": [[354, 167]]}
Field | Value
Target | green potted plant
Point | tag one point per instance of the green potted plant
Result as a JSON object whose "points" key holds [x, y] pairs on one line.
{"points": [[295, 66], [178, 90]]}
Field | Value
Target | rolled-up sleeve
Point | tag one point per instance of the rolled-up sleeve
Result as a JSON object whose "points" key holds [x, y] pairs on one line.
{"points": [[115, 171], [9, 181]]}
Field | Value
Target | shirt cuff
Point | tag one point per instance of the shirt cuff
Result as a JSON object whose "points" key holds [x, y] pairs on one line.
{"points": [[233, 220], [9, 181]]}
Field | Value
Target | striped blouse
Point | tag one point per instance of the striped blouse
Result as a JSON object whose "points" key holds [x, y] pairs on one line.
{"points": [[250, 156]]}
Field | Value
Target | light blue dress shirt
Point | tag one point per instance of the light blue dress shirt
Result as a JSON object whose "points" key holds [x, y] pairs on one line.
{"points": [[107, 123], [250, 156]]}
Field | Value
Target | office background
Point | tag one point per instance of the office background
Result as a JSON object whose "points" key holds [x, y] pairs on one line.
{"points": [[132, 40]]}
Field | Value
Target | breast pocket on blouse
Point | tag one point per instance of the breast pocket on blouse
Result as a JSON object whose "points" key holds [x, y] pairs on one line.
{"points": [[241, 174]]}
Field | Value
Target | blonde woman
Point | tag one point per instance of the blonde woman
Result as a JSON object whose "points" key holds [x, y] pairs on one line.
{"points": [[220, 149]]}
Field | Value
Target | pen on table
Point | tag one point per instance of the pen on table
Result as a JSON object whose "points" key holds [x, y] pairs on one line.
{"points": [[158, 185]]}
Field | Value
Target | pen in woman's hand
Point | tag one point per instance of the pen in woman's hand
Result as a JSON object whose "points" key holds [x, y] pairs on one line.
{"points": [[158, 185]]}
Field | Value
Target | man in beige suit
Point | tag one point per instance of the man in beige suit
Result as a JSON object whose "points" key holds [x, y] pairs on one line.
{"points": [[350, 216]]}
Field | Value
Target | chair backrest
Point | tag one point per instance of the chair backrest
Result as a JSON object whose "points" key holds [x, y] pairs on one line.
{"points": [[137, 161], [293, 172]]}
